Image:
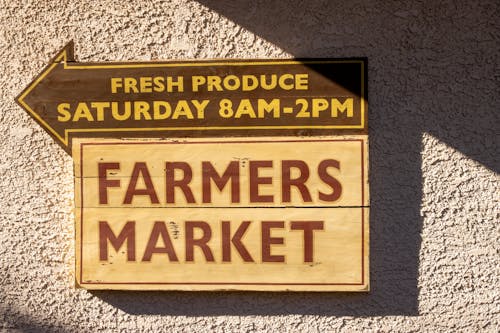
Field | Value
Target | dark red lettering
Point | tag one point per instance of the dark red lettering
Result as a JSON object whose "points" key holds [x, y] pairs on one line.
{"points": [[299, 182], [329, 180], [104, 182], [209, 173], [267, 241], [106, 234], [235, 240], [140, 168], [200, 242], [307, 227], [159, 230], [183, 184], [255, 181]]}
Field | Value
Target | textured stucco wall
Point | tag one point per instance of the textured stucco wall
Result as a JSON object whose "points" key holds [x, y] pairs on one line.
{"points": [[434, 93]]}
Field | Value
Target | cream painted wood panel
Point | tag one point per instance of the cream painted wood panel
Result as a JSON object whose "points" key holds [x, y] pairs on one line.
{"points": [[130, 235]]}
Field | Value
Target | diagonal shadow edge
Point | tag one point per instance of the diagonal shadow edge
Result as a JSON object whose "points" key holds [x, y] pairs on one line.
{"points": [[394, 263]]}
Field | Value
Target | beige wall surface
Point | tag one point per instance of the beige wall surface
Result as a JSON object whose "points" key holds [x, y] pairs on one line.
{"points": [[433, 80]]}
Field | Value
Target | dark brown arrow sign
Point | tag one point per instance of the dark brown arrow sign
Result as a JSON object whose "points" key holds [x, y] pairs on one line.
{"points": [[320, 104], [197, 98]]}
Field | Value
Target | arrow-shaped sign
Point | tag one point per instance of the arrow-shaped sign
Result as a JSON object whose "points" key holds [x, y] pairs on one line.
{"points": [[197, 98]]}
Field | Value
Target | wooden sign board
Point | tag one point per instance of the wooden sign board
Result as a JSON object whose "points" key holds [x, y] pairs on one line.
{"points": [[217, 174], [267, 213], [214, 98]]}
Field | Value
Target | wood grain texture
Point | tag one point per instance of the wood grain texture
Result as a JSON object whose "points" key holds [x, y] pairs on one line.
{"points": [[198, 98], [289, 242]]}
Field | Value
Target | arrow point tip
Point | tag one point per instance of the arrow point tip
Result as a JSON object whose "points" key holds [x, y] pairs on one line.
{"points": [[67, 53], [70, 50]]}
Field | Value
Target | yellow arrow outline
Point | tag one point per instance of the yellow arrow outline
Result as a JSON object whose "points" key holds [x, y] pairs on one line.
{"points": [[63, 57]]}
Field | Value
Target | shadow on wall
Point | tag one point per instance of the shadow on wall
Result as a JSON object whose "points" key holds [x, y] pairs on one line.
{"points": [[430, 70], [16, 319]]}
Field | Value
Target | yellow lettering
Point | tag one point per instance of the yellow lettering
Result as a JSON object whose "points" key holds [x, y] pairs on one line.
{"points": [[63, 110], [273, 106], [214, 81], [141, 108], [182, 109], [179, 84], [197, 81], [301, 81], [82, 111], [158, 84], [268, 86], [146, 84], [130, 84], [342, 107], [116, 82], [100, 106], [116, 114], [318, 105], [282, 82], [200, 107], [157, 110], [246, 85], [231, 82], [245, 108], [226, 108]]}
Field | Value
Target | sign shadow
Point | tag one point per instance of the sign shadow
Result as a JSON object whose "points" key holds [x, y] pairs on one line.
{"points": [[424, 76]]}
